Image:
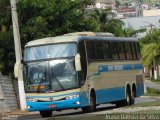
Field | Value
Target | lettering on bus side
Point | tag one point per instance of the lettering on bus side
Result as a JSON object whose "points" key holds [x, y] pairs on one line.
{"points": [[107, 68], [115, 67]]}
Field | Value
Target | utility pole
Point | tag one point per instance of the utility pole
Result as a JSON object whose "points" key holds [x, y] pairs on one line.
{"points": [[18, 53]]}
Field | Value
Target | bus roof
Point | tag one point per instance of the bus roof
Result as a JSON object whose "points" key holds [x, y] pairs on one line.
{"points": [[76, 37]]}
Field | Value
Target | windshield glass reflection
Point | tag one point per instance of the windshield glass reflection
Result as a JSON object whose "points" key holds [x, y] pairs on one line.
{"points": [[50, 51], [54, 75]]}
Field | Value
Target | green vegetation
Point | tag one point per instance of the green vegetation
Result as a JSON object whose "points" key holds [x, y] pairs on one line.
{"points": [[150, 45], [153, 80], [49, 18], [38, 19], [149, 112], [146, 104], [152, 92]]}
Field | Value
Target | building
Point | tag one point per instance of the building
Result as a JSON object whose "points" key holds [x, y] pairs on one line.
{"points": [[125, 12], [142, 22], [153, 12]]}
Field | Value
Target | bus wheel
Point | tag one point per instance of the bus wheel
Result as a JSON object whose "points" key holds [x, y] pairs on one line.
{"points": [[127, 101], [92, 106], [133, 94], [128, 98], [46, 113]]}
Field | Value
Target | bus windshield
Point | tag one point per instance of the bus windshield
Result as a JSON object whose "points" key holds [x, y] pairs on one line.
{"points": [[50, 51], [50, 67], [53, 75]]}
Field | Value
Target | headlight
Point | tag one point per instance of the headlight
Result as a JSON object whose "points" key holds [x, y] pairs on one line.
{"points": [[72, 96], [31, 100]]}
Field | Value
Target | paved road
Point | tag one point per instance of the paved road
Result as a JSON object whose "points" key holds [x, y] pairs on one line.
{"points": [[79, 113]]}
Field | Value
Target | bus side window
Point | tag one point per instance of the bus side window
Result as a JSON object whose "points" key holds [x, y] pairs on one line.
{"points": [[114, 50], [133, 51], [128, 51], [121, 51], [106, 50], [137, 50], [98, 50], [90, 50]]}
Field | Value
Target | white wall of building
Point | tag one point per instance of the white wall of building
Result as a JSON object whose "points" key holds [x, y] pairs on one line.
{"points": [[155, 12]]}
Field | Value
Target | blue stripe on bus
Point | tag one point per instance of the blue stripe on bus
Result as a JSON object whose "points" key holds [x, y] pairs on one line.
{"points": [[115, 94], [110, 68], [110, 95]]}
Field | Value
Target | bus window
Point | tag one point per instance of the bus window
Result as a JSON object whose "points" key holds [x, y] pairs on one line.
{"points": [[128, 51], [98, 50], [114, 51], [137, 50], [133, 51], [106, 50], [90, 50], [121, 51]]}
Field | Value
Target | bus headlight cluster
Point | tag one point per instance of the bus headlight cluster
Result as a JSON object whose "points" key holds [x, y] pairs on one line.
{"points": [[31, 100], [72, 96]]}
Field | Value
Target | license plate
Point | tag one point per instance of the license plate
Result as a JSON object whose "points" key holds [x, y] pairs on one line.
{"points": [[52, 106]]}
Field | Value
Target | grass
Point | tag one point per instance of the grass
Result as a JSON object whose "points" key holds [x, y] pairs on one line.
{"points": [[148, 112], [152, 92], [153, 80], [146, 104]]}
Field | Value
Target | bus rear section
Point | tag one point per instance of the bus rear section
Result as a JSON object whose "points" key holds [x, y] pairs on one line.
{"points": [[114, 70]]}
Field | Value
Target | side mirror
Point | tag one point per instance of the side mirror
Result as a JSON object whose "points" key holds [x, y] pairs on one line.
{"points": [[16, 69], [78, 62]]}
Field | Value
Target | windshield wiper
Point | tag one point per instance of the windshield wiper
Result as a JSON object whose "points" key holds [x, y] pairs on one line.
{"points": [[57, 80]]}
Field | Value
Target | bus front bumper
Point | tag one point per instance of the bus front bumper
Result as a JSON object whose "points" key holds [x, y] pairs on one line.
{"points": [[54, 105]]}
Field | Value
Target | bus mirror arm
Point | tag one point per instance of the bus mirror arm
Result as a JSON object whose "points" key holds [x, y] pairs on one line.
{"points": [[22, 61], [78, 62]]}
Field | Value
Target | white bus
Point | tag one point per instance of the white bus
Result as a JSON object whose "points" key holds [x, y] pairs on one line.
{"points": [[81, 70]]}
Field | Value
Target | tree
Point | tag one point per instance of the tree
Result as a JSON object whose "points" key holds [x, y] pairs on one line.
{"points": [[115, 26], [41, 18], [126, 4], [150, 49], [7, 56], [117, 3], [101, 16], [38, 19], [48, 18], [108, 24]]}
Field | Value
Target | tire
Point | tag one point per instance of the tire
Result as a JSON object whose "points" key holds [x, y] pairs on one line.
{"points": [[127, 101], [92, 106], [128, 98], [133, 94], [46, 113]]}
